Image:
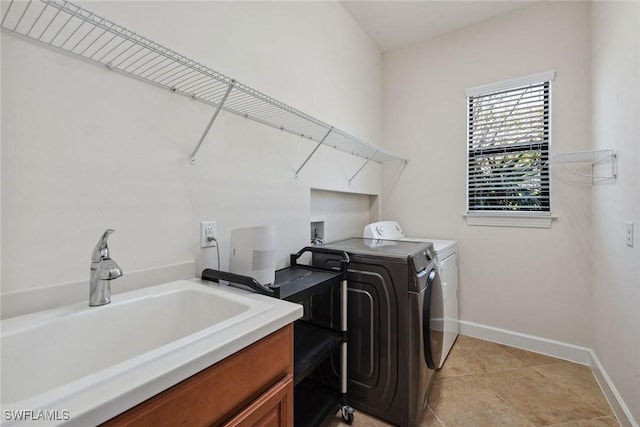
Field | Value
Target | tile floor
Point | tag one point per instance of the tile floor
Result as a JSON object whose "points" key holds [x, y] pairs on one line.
{"points": [[488, 384]]}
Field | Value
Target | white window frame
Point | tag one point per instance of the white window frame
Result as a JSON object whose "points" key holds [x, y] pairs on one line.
{"points": [[508, 218]]}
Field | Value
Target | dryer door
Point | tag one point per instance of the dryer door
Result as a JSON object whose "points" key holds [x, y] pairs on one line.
{"points": [[420, 355], [433, 320]]}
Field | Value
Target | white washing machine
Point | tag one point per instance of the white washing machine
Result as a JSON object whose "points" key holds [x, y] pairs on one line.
{"points": [[447, 260]]}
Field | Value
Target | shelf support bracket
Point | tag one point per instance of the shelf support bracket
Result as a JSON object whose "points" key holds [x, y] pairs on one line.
{"points": [[363, 165], [313, 152], [213, 119]]}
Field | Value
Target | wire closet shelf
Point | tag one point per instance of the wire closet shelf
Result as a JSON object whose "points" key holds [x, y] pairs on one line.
{"points": [[593, 158], [74, 30]]}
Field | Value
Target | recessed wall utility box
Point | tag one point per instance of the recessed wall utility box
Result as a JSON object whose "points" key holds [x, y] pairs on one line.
{"points": [[208, 234], [317, 233]]}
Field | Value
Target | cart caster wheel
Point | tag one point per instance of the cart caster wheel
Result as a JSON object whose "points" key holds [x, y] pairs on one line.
{"points": [[348, 419], [347, 414]]}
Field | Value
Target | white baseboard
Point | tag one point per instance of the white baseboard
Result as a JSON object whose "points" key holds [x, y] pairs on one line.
{"points": [[30, 300], [560, 350], [611, 393]]}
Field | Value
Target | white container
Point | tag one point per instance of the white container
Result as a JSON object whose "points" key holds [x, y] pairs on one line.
{"points": [[253, 253]]}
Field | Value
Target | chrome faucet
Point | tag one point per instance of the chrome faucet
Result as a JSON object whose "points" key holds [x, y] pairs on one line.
{"points": [[103, 271]]}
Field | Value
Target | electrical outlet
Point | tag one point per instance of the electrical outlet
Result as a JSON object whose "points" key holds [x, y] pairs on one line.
{"points": [[208, 234], [629, 233]]}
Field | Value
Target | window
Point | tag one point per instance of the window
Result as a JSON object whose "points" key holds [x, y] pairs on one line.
{"points": [[508, 147]]}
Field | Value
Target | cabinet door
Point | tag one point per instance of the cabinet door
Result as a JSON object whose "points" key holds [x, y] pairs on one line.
{"points": [[273, 409]]}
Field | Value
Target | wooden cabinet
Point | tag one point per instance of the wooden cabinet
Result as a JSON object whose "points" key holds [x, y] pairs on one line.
{"points": [[253, 387]]}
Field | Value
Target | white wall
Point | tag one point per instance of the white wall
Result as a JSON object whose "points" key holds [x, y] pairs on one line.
{"points": [[84, 148], [532, 281], [615, 314]]}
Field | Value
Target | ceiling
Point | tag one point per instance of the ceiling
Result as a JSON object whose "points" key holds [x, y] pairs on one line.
{"points": [[393, 24]]}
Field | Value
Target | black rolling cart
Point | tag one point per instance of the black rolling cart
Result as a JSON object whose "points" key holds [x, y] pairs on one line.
{"points": [[314, 402]]}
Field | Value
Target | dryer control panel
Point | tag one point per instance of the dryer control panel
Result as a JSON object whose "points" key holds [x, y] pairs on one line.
{"points": [[388, 230]]}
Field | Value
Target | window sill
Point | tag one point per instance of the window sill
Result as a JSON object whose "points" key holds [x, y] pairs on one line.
{"points": [[507, 220]]}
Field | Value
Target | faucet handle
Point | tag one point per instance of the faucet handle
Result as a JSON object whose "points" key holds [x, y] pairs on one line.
{"points": [[101, 251]]}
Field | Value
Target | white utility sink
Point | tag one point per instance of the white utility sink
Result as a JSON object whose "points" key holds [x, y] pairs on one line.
{"points": [[95, 362]]}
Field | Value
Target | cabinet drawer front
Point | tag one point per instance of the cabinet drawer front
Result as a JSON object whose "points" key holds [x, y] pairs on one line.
{"points": [[272, 409], [220, 391]]}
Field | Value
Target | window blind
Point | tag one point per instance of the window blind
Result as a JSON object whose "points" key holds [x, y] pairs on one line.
{"points": [[508, 150]]}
